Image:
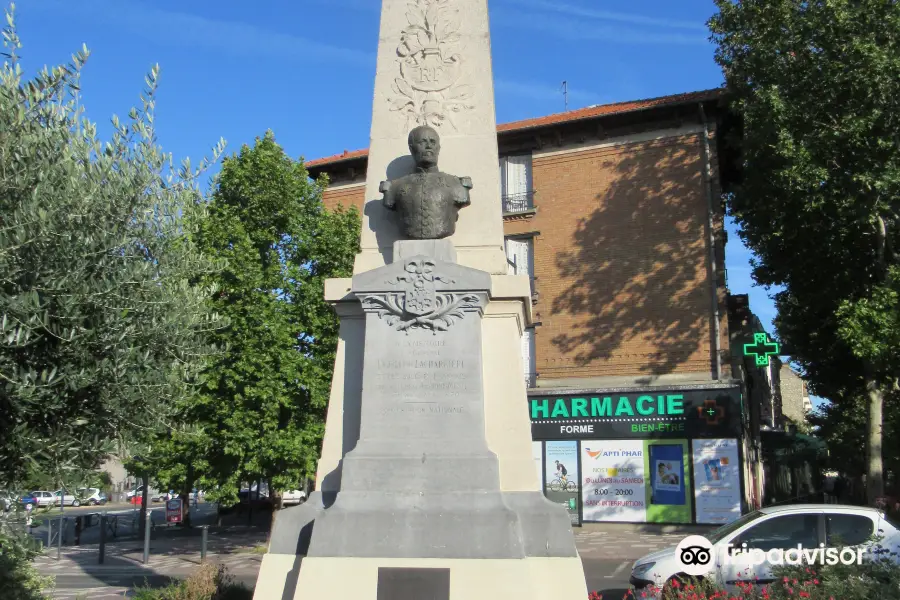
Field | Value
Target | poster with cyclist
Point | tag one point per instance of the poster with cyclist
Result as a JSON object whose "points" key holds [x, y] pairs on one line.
{"points": [[561, 476]]}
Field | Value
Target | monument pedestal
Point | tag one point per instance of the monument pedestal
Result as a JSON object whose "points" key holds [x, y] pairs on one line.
{"points": [[371, 579], [421, 487]]}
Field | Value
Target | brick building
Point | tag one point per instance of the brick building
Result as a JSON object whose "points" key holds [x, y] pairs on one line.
{"points": [[615, 214], [795, 401]]}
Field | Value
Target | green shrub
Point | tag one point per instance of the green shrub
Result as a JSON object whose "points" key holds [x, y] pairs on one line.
{"points": [[19, 580], [209, 582]]}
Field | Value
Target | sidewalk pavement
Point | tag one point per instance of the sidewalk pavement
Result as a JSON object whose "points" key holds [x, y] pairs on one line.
{"points": [[177, 556], [629, 542], [235, 548]]}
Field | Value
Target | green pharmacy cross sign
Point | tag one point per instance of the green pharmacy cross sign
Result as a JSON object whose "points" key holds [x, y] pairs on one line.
{"points": [[762, 349]]}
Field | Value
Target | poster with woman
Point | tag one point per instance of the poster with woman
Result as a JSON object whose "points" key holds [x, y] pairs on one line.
{"points": [[668, 476], [717, 484]]}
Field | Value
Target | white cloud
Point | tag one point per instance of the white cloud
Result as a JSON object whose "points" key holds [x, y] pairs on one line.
{"points": [[580, 29], [227, 37], [605, 15]]}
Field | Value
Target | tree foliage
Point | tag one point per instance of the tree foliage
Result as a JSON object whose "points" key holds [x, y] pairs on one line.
{"points": [[100, 325], [261, 410], [817, 87]]}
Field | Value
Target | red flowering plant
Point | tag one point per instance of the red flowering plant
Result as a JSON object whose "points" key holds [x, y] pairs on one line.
{"points": [[876, 578], [707, 589]]}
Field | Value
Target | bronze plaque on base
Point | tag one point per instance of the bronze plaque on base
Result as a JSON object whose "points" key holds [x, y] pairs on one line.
{"points": [[413, 584]]}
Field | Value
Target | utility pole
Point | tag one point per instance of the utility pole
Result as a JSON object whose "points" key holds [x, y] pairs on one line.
{"points": [[565, 88]]}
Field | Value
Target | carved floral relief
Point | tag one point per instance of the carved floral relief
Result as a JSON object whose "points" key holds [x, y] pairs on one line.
{"points": [[429, 89], [419, 305]]}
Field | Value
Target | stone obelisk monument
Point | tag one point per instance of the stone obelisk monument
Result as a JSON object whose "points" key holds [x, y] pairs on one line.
{"points": [[426, 487]]}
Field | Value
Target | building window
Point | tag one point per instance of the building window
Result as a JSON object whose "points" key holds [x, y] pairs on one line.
{"points": [[520, 257], [516, 183]]}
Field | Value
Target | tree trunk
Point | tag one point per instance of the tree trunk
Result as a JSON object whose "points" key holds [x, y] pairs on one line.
{"points": [[875, 470], [186, 494], [250, 502]]}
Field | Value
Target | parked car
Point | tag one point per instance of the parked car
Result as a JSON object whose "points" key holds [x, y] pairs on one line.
{"points": [[770, 528], [155, 496], [293, 497], [66, 499], [91, 496], [38, 499]]}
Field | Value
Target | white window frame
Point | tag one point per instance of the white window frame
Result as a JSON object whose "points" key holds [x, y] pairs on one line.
{"points": [[516, 191], [513, 267]]}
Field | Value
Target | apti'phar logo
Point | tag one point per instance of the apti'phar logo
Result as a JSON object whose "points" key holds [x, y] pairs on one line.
{"points": [[711, 411], [593, 453]]}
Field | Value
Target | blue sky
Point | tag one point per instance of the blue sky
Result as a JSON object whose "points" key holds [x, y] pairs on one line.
{"points": [[306, 69]]}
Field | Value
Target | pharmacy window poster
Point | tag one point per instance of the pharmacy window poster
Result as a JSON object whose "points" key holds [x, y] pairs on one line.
{"points": [[613, 484], [667, 472], [717, 481], [561, 472]]}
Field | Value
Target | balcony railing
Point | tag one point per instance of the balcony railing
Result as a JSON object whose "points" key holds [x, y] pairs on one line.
{"points": [[518, 203]]}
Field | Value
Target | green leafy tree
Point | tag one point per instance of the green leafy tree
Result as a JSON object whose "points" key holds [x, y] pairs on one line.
{"points": [[100, 327], [261, 411], [817, 87], [101, 323]]}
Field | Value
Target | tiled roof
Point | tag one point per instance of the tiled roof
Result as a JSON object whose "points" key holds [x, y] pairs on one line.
{"points": [[590, 112], [347, 155]]}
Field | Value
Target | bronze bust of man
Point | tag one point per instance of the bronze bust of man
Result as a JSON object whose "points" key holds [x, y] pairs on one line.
{"points": [[427, 201]]}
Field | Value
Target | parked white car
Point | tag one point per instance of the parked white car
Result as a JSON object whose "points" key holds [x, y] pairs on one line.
{"points": [[66, 499], [771, 528], [91, 496], [293, 497]]}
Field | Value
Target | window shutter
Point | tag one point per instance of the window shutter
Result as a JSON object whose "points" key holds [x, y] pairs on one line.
{"points": [[517, 174], [518, 252], [510, 257], [528, 352]]}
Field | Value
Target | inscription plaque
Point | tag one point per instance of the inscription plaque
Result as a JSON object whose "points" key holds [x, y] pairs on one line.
{"points": [[413, 584], [419, 386]]}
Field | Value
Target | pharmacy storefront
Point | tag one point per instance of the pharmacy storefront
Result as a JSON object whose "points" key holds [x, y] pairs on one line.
{"points": [[641, 456]]}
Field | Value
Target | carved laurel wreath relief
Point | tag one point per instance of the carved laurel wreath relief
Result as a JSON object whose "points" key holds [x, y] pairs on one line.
{"points": [[428, 91]]}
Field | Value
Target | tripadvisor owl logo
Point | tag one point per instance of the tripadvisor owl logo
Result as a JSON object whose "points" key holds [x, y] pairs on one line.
{"points": [[695, 553]]}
